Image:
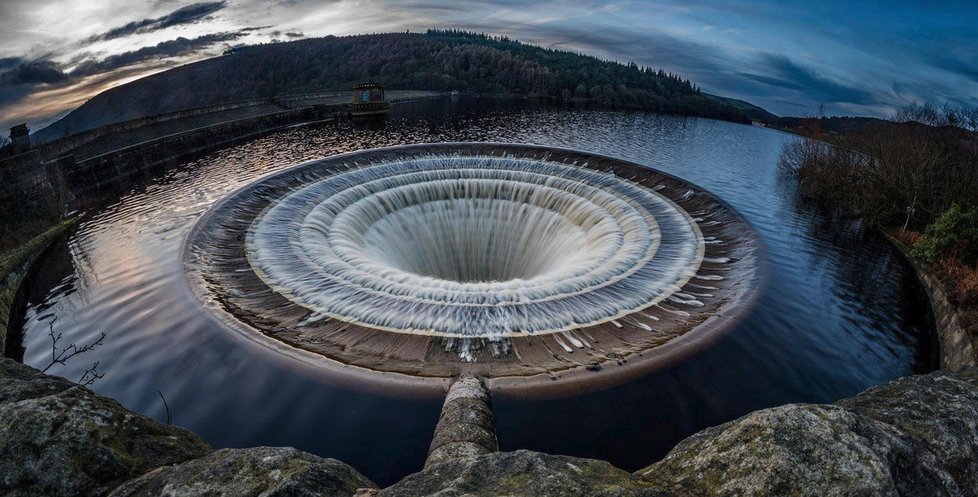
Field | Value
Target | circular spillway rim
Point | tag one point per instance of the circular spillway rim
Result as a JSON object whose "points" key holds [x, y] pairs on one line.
{"points": [[664, 293], [539, 385]]}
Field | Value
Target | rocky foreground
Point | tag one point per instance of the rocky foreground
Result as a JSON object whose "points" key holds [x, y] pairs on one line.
{"points": [[917, 436]]}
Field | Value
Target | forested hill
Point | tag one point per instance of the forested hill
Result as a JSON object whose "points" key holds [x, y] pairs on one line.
{"points": [[436, 60], [752, 111]]}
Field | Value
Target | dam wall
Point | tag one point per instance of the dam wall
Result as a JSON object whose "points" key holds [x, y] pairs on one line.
{"points": [[48, 147], [46, 188], [57, 176], [91, 173]]}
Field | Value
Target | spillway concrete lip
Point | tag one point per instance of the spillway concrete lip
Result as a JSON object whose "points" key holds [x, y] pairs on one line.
{"points": [[592, 368]]}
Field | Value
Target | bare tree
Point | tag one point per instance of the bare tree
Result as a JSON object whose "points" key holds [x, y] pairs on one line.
{"points": [[169, 417], [969, 118], [903, 172], [91, 375], [61, 355], [924, 114]]}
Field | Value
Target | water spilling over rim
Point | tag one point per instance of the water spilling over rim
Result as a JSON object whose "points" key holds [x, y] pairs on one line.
{"points": [[430, 259], [474, 246]]}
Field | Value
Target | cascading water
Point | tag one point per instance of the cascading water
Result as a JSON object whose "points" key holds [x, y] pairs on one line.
{"points": [[504, 259]]}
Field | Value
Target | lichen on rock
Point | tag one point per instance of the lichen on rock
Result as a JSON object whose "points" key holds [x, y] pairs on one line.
{"points": [[937, 413], [913, 437], [522, 472], [916, 436], [58, 438], [258, 471]]}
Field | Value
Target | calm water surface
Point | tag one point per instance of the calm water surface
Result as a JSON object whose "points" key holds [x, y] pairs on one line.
{"points": [[839, 312]]}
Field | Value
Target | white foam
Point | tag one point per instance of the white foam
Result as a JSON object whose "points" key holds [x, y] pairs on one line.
{"points": [[475, 246]]}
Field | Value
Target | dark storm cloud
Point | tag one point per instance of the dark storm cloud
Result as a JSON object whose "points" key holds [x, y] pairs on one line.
{"points": [[33, 72], [184, 15], [170, 48], [8, 62], [24, 78], [782, 72], [16, 71], [289, 34]]}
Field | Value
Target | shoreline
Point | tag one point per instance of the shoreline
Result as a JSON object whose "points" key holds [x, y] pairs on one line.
{"points": [[15, 268], [956, 349]]}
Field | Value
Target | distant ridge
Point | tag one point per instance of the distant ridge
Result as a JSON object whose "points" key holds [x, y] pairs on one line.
{"points": [[752, 111], [435, 60]]}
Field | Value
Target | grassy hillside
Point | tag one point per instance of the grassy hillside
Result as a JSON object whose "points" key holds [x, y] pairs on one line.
{"points": [[436, 60]]}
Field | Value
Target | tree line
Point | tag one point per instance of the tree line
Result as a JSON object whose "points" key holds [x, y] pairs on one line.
{"points": [[439, 60]]}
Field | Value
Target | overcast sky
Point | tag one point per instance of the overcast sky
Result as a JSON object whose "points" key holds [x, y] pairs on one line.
{"points": [[858, 58]]}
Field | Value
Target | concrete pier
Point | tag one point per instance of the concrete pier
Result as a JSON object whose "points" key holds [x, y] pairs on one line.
{"points": [[465, 427]]}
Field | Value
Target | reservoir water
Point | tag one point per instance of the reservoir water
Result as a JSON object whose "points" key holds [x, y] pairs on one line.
{"points": [[839, 311]]}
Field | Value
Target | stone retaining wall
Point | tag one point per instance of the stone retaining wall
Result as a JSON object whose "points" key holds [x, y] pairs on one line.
{"points": [[14, 268], [957, 348]]}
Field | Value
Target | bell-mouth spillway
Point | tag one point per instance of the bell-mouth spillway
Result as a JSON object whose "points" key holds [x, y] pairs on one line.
{"points": [[546, 271]]}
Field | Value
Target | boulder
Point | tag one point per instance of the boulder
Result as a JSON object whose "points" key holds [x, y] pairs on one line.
{"points": [[258, 471], [57, 438], [937, 413], [522, 472], [916, 436]]}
